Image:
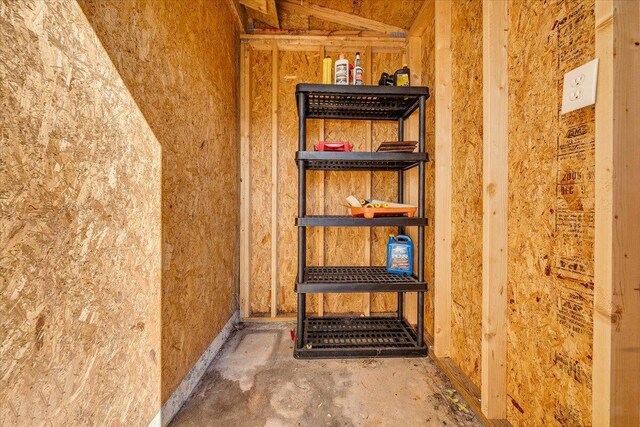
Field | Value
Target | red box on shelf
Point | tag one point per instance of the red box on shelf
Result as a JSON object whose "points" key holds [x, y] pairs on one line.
{"points": [[333, 146]]}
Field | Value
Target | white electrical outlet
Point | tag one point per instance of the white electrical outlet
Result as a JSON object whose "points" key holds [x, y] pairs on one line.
{"points": [[579, 87]]}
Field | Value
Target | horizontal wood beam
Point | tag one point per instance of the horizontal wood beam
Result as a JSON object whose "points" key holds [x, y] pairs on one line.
{"points": [[337, 33], [401, 41], [424, 19], [331, 43], [337, 17]]}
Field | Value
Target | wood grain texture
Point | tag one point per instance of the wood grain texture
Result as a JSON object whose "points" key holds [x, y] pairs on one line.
{"points": [[423, 21], [334, 16], [344, 246], [275, 58], [80, 229], [616, 362], [324, 190], [260, 146], [466, 190], [443, 153], [427, 70], [270, 17], [294, 67], [495, 183], [383, 184], [550, 217], [392, 13], [162, 50], [245, 182]]}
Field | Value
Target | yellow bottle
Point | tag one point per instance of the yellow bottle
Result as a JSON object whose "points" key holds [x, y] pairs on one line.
{"points": [[327, 68]]}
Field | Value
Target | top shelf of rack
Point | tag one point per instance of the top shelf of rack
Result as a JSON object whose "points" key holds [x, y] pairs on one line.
{"points": [[350, 102]]}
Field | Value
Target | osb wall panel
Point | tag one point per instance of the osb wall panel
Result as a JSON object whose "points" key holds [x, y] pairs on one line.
{"points": [[466, 200], [79, 229], [180, 61], [384, 185], [293, 68], [345, 246], [428, 79], [551, 206], [341, 246], [260, 131]]}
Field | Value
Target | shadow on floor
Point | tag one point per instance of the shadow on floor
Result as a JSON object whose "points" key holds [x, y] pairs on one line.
{"points": [[255, 381]]}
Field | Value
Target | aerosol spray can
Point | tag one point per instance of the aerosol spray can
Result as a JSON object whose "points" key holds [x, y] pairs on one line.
{"points": [[357, 71]]}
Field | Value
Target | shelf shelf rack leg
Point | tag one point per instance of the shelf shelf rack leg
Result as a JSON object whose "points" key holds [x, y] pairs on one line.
{"points": [[302, 210], [421, 201], [400, 200]]}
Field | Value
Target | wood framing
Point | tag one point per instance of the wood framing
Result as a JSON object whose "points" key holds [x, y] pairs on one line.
{"points": [[443, 155], [245, 185], [495, 199], [239, 13], [423, 19], [273, 120], [259, 5], [467, 389], [335, 43], [335, 16], [270, 17], [616, 342], [274, 181]]}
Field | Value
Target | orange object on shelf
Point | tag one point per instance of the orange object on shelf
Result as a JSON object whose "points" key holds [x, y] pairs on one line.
{"points": [[372, 212]]}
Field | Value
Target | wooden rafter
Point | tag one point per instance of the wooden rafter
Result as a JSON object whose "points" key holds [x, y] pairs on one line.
{"points": [[257, 5], [270, 17], [239, 13], [425, 17], [337, 17]]}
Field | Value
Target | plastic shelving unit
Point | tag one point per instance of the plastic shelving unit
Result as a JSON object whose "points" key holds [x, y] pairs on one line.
{"points": [[343, 337]]}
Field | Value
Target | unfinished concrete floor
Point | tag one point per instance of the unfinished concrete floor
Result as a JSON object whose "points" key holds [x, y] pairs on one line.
{"points": [[255, 381]]}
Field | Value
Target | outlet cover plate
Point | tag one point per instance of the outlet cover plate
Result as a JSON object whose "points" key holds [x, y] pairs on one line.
{"points": [[579, 87]]}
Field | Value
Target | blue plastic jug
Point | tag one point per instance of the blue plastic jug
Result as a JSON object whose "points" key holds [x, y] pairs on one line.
{"points": [[400, 255]]}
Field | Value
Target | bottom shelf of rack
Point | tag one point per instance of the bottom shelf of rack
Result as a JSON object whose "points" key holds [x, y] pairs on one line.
{"points": [[358, 337]]}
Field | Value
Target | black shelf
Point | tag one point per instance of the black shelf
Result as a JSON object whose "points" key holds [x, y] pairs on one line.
{"points": [[360, 161], [348, 337], [351, 102], [356, 279], [363, 336], [349, 221]]}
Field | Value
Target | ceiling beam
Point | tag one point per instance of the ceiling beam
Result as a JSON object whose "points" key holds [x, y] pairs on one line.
{"points": [[424, 19], [337, 17], [270, 17]]}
